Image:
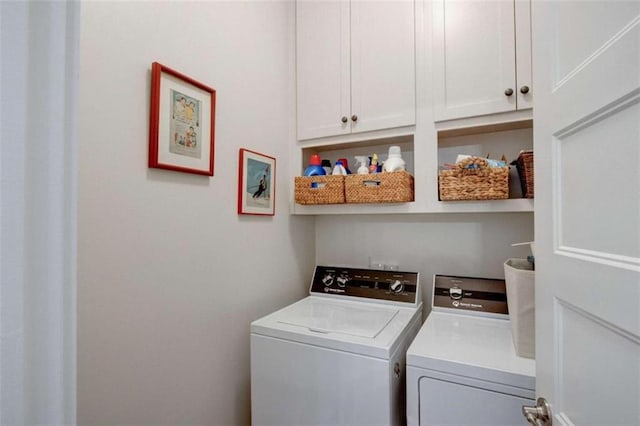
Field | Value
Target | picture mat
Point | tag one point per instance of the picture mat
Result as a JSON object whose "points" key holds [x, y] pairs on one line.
{"points": [[167, 83]]}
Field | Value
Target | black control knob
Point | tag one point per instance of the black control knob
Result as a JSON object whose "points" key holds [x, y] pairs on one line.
{"points": [[455, 293], [396, 286], [342, 281], [327, 280]]}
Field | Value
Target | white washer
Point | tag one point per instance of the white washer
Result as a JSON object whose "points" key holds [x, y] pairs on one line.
{"points": [[462, 368], [337, 357]]}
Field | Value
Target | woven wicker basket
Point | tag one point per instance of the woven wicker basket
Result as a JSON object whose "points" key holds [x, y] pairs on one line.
{"points": [[319, 189], [481, 183], [524, 164], [386, 187]]}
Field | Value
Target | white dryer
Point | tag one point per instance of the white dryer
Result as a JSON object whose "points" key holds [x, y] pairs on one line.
{"points": [[337, 357], [462, 368]]}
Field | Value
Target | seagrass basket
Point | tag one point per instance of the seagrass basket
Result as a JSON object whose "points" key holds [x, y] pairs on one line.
{"points": [[524, 164], [473, 179], [319, 189], [385, 187]]}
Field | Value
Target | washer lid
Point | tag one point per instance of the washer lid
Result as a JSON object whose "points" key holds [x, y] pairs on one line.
{"points": [[364, 328], [326, 317]]}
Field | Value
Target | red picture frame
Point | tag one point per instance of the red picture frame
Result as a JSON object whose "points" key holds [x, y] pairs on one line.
{"points": [[256, 183], [182, 122]]}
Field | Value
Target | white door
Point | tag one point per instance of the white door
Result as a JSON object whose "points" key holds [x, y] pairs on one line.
{"points": [[323, 68], [586, 59], [382, 64], [474, 57]]}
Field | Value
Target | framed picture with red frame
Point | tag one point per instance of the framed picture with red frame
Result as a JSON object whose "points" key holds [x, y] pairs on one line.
{"points": [[256, 183], [182, 122]]}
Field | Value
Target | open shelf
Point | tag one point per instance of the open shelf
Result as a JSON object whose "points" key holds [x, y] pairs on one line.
{"points": [[494, 141], [364, 148], [424, 152]]}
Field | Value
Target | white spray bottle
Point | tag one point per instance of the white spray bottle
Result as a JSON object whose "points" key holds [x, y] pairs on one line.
{"points": [[363, 169]]}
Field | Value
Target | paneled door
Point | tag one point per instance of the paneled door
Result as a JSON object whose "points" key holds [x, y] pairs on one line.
{"points": [[383, 67], [323, 68], [355, 66], [586, 59], [474, 54]]}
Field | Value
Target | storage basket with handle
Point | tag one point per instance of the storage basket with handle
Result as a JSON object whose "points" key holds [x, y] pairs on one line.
{"points": [[473, 179], [524, 164], [319, 189], [385, 187]]}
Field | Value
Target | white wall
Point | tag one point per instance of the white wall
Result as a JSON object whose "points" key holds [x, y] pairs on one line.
{"points": [[169, 275], [457, 244]]}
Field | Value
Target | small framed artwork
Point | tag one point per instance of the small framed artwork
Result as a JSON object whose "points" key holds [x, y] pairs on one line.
{"points": [[182, 122], [256, 183]]}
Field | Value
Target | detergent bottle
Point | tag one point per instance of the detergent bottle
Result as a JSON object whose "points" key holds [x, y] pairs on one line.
{"points": [[315, 166], [326, 165], [345, 164], [394, 162], [339, 169]]}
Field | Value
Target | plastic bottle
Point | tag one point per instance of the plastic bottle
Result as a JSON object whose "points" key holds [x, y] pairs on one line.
{"points": [[326, 165], [345, 164], [339, 169], [373, 167], [394, 162], [363, 169], [315, 167]]}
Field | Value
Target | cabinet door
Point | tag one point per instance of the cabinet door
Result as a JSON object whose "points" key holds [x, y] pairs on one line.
{"points": [[474, 58], [382, 64], [322, 58]]}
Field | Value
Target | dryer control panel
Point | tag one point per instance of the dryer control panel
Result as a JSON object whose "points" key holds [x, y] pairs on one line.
{"points": [[482, 296], [395, 286]]}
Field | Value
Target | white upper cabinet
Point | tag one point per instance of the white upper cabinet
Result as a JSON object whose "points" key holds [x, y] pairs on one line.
{"points": [[482, 57], [355, 66], [382, 64], [323, 68]]}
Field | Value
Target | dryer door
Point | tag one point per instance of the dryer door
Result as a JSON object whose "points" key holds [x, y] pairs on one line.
{"points": [[471, 402]]}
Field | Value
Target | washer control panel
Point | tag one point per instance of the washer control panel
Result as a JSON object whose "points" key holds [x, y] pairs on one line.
{"points": [[393, 286]]}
